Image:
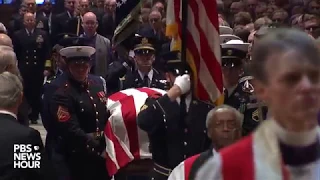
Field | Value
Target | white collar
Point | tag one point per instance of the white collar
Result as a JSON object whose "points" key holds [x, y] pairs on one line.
{"points": [[28, 32], [150, 75], [294, 138], [9, 113], [214, 152], [70, 16], [188, 101]]}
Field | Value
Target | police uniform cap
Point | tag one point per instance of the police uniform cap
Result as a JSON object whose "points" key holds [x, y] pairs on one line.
{"points": [[174, 64], [144, 42], [236, 44], [225, 30], [76, 49], [227, 37], [233, 52]]}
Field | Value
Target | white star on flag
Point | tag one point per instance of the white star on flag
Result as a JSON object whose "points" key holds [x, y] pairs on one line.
{"points": [[119, 4]]}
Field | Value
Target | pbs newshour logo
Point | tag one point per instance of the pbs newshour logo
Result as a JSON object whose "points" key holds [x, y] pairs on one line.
{"points": [[26, 156]]}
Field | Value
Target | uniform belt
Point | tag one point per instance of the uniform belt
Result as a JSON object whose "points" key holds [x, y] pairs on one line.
{"points": [[162, 170]]}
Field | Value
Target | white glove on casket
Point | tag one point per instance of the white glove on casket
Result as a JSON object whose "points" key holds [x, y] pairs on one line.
{"points": [[183, 82]]}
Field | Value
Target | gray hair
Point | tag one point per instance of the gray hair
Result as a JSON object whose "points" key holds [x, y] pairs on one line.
{"points": [[212, 112], [10, 90], [8, 60]]}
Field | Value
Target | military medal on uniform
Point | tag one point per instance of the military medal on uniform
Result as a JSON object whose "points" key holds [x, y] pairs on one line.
{"points": [[39, 41], [40, 25]]}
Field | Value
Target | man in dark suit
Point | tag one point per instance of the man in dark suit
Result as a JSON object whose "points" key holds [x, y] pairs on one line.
{"points": [[32, 48], [13, 134], [67, 22]]}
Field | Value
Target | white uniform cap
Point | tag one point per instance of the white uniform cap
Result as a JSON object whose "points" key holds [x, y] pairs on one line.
{"points": [[77, 51], [236, 44], [225, 30], [227, 37]]}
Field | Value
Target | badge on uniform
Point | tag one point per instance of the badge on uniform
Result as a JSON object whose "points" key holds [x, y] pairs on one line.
{"points": [[255, 115], [40, 25], [144, 107], [39, 40], [102, 97], [63, 114]]}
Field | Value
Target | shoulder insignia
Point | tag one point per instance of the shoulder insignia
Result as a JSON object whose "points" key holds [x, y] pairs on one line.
{"points": [[63, 114], [255, 115], [143, 107]]}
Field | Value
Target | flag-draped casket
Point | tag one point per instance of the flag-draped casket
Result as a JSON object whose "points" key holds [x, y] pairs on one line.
{"points": [[125, 141]]}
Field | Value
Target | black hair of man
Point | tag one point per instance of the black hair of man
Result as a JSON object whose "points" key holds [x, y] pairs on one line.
{"points": [[280, 41]]}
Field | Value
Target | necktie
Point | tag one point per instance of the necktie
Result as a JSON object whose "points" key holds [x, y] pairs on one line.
{"points": [[226, 94], [183, 109], [146, 81]]}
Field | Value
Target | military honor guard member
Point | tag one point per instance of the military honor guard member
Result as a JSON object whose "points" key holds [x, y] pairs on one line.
{"points": [[287, 145], [240, 95], [78, 108], [32, 48], [144, 75], [52, 84], [175, 122], [224, 128]]}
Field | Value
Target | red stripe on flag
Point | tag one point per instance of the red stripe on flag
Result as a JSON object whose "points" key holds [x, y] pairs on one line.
{"points": [[202, 92], [207, 53], [129, 116], [121, 156], [151, 93], [211, 12], [117, 96]]}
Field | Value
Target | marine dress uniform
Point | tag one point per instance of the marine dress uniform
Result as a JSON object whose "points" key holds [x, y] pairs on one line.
{"points": [[176, 129], [79, 112]]}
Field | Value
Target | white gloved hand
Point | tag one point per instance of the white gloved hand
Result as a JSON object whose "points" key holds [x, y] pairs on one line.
{"points": [[183, 82]]}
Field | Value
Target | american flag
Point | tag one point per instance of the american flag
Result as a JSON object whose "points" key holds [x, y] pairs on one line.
{"points": [[203, 45], [126, 142]]}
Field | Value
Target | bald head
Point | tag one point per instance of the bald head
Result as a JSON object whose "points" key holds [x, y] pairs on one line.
{"points": [[89, 16], [89, 23], [5, 40]]}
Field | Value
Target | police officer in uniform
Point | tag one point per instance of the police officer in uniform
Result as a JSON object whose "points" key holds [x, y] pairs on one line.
{"points": [[175, 122], [238, 92], [144, 75], [78, 108], [32, 48]]}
